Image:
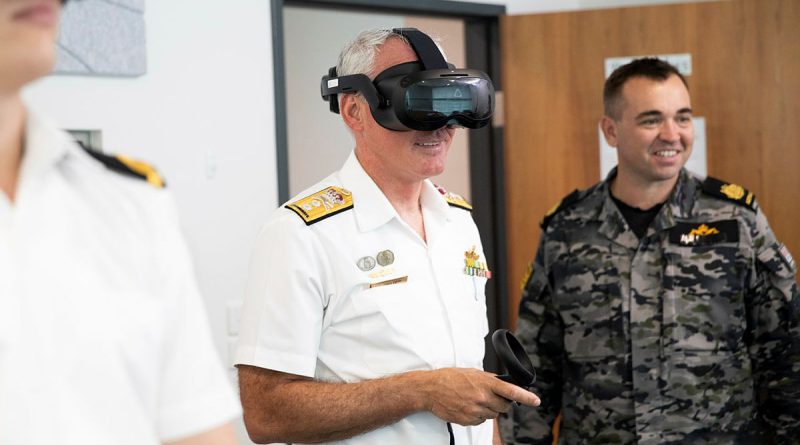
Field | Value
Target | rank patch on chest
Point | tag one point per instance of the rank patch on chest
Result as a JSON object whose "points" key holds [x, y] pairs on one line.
{"points": [[704, 234], [473, 266]]}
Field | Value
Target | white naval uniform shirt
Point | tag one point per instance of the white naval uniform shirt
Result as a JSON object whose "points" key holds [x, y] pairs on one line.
{"points": [[309, 308], [103, 335]]}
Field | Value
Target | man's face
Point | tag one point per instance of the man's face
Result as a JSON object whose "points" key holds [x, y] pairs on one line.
{"points": [[407, 156], [653, 133], [27, 31]]}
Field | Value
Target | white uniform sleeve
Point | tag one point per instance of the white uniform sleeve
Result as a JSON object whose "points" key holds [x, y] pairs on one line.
{"points": [[195, 394], [283, 307]]}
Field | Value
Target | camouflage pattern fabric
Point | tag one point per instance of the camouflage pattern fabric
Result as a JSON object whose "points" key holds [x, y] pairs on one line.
{"points": [[687, 336]]}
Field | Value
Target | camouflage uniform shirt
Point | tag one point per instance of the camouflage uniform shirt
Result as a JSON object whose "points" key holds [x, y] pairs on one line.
{"points": [[688, 335]]}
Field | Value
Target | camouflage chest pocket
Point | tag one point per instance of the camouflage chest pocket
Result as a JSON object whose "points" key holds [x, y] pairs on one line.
{"points": [[587, 296], [703, 285]]}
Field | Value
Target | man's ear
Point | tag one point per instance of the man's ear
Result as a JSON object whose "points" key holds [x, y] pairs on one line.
{"points": [[352, 109], [609, 127]]}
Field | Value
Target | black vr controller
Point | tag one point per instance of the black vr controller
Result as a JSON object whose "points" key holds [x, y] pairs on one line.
{"points": [[513, 356]]}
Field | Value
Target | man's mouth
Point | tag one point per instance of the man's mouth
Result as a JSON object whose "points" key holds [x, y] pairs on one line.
{"points": [[666, 153]]}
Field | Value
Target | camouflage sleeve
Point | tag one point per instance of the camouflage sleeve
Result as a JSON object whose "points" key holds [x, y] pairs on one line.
{"points": [[774, 332], [540, 332]]}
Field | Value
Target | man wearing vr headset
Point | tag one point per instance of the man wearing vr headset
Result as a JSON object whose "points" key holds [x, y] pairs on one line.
{"points": [[365, 315], [103, 335]]}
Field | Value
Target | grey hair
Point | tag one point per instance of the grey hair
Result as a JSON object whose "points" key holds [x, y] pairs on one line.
{"points": [[358, 56]]}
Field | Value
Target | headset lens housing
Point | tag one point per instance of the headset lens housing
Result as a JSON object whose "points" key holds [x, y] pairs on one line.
{"points": [[462, 101]]}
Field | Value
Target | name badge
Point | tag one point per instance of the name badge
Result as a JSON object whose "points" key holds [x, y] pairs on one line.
{"points": [[389, 282], [705, 234]]}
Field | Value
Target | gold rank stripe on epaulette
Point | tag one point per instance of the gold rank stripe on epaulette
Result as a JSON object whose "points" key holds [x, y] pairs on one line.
{"points": [[564, 203], [143, 169], [730, 192], [323, 204], [127, 166], [457, 201]]}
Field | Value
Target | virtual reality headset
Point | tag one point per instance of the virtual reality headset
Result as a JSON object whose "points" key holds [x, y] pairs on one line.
{"points": [[424, 95]]}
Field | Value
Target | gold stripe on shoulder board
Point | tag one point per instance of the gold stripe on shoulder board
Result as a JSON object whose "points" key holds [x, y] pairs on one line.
{"points": [[457, 200], [148, 171], [322, 204]]}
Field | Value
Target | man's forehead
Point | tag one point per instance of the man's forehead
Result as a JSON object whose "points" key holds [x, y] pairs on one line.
{"points": [[393, 52], [641, 94]]}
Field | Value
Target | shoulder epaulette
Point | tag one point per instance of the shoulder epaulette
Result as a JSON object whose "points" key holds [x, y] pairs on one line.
{"points": [[128, 167], [730, 192], [454, 199], [323, 204], [457, 201], [567, 201]]}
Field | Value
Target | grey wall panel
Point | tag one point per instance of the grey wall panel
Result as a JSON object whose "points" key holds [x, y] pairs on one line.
{"points": [[102, 37]]}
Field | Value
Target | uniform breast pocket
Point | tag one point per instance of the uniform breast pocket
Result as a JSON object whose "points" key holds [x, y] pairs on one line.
{"points": [[587, 296], [138, 333], [109, 330], [704, 297], [401, 327]]}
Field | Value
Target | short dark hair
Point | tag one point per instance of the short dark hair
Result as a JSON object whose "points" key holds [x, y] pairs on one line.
{"points": [[648, 67]]}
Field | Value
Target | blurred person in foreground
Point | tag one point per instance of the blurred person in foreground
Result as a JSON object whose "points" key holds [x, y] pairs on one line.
{"points": [[103, 334]]}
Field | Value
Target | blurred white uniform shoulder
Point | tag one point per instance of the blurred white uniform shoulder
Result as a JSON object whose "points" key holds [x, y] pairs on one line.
{"points": [[102, 328]]}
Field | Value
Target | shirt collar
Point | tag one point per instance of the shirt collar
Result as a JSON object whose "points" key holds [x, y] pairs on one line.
{"points": [[371, 207], [45, 146], [678, 206]]}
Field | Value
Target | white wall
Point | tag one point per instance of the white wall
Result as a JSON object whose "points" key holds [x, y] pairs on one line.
{"points": [[203, 114], [318, 141]]}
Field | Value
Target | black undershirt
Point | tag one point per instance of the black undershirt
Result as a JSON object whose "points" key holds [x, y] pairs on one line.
{"points": [[638, 220]]}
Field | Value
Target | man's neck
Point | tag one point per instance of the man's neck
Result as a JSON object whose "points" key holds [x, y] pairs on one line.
{"points": [[12, 131], [641, 194], [405, 196]]}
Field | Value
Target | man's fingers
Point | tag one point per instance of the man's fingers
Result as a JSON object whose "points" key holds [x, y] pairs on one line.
{"points": [[516, 394], [499, 404]]}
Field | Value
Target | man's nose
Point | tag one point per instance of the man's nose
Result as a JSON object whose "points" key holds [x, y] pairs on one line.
{"points": [[669, 131]]}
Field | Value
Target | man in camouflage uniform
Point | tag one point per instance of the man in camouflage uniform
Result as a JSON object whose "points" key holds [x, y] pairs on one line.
{"points": [[677, 324]]}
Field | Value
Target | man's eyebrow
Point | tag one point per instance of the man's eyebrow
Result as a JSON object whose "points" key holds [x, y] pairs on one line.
{"points": [[649, 113], [656, 113]]}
